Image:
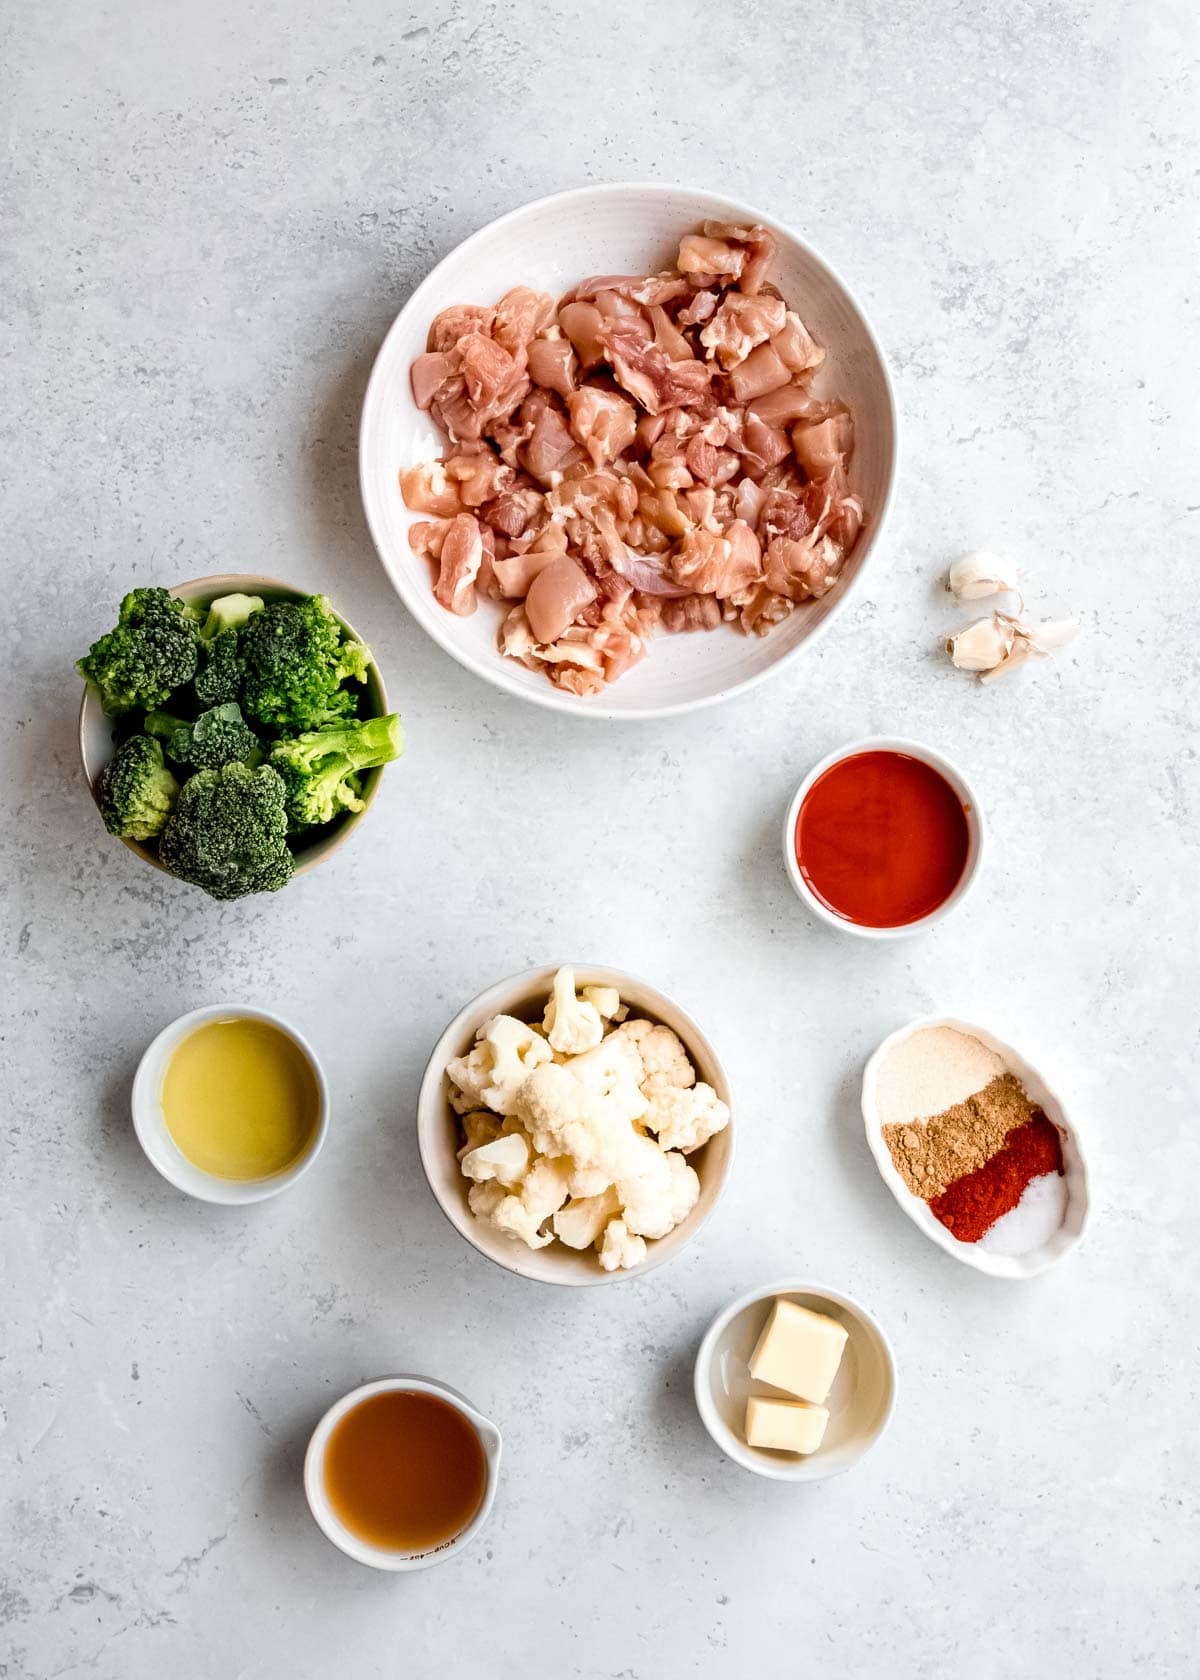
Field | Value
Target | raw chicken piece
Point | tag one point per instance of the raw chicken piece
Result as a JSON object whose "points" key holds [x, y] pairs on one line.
{"points": [[558, 593], [603, 422], [428, 489], [456, 322], [795, 345], [550, 448], [428, 374], [802, 569], [693, 612], [740, 325], [647, 373], [582, 323], [759, 245], [521, 315], [461, 558], [762, 371], [823, 446], [552, 364]]}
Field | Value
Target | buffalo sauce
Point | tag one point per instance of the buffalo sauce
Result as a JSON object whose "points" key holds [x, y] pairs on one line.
{"points": [[882, 839], [405, 1470]]}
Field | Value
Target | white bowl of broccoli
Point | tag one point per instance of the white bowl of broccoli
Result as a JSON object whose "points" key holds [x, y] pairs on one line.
{"points": [[233, 731]]}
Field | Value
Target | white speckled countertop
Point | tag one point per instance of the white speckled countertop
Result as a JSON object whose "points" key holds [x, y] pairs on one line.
{"points": [[210, 217]]}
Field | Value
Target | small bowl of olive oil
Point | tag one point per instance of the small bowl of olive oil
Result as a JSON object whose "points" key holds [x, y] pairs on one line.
{"points": [[230, 1104]]}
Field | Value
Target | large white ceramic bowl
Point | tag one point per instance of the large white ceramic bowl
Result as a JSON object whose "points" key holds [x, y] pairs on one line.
{"points": [[438, 1134], [1077, 1198], [552, 244]]}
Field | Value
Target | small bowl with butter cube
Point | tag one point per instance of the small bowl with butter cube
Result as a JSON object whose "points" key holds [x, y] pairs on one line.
{"points": [[795, 1382]]}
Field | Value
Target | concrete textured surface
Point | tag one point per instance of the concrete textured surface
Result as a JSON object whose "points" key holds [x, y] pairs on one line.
{"points": [[210, 216]]}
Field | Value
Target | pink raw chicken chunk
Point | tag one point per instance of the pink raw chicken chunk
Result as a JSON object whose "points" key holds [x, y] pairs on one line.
{"points": [[645, 454]]}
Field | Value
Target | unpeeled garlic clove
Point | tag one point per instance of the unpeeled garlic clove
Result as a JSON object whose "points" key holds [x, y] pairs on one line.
{"points": [[978, 575], [984, 645], [1049, 637]]}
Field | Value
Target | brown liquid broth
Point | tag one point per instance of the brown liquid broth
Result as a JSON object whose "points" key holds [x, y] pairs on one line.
{"points": [[405, 1471]]}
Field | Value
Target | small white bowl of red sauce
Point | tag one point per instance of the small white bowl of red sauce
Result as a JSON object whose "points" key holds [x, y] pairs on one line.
{"points": [[883, 838]]}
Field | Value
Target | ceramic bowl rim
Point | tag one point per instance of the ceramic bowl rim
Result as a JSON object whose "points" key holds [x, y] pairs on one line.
{"points": [[214, 586], [150, 1126], [950, 772], [1007, 1266], [431, 1101], [419, 301], [806, 1469], [362, 1551]]}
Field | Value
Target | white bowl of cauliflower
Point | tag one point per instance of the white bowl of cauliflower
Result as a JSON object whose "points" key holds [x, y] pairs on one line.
{"points": [[574, 1125]]}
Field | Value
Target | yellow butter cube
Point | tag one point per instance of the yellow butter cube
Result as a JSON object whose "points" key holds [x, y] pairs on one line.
{"points": [[784, 1425], [799, 1351]]}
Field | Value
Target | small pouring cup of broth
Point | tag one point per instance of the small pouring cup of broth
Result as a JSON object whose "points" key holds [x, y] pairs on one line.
{"points": [[401, 1473], [230, 1104], [883, 838]]}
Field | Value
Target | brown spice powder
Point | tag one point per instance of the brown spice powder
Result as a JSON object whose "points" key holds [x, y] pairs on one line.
{"points": [[930, 1154]]}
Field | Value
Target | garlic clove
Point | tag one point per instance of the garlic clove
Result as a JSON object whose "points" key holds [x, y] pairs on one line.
{"points": [[977, 575], [1020, 651], [1049, 637], [984, 645]]}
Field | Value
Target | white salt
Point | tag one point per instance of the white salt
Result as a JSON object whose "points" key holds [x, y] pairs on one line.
{"points": [[1033, 1221]]}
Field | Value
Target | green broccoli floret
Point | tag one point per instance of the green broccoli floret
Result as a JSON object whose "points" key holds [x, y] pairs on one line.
{"points": [[228, 832], [136, 791], [218, 736], [229, 612], [153, 651], [320, 769], [295, 661], [219, 678]]}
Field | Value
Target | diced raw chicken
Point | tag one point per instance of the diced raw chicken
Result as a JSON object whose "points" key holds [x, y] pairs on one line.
{"points": [[521, 315], [644, 454], [740, 324], [557, 595], [552, 364], [762, 371], [428, 374], [823, 446], [602, 422], [647, 373], [461, 558], [693, 612], [455, 323], [429, 489]]}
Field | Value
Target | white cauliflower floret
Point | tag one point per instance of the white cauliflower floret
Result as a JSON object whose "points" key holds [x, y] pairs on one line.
{"points": [[514, 1219], [563, 1116], [504, 1053], [607, 999], [506, 1160], [581, 1221], [662, 1191], [664, 1059], [542, 1194], [685, 1119], [484, 1199], [517, 1048], [571, 1024], [470, 1074], [614, 1071], [546, 1186], [589, 1181], [618, 1249], [478, 1128]]}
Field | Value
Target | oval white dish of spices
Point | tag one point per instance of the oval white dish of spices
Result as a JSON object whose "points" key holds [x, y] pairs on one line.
{"points": [[976, 1146]]}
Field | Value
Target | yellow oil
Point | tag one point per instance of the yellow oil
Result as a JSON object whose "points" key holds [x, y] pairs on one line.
{"points": [[240, 1099]]}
